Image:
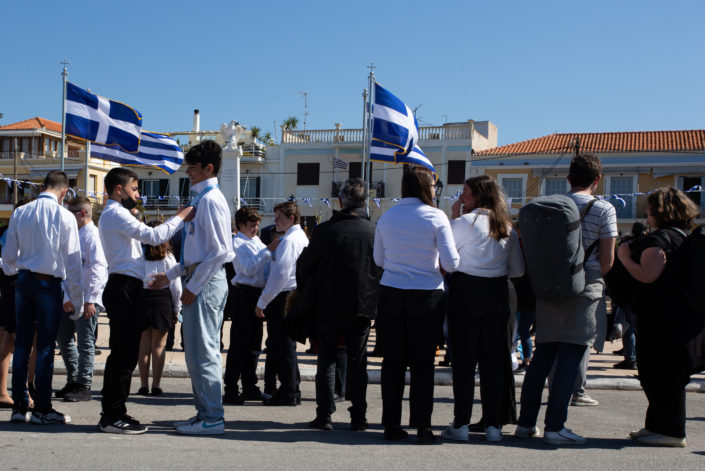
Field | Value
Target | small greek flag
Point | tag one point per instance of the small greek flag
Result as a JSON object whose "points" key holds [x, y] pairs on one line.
{"points": [[155, 150], [341, 164], [395, 132], [97, 119]]}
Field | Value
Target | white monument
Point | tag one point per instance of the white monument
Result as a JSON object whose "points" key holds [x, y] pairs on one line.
{"points": [[230, 168]]}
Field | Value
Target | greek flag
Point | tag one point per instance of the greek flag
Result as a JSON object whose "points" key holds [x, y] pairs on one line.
{"points": [[156, 150], [395, 132], [341, 164], [97, 119]]}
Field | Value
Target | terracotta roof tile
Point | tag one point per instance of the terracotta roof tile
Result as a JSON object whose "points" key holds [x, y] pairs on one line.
{"points": [[33, 123], [604, 142]]}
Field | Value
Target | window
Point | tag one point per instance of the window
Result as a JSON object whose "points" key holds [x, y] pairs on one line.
{"points": [[249, 187], [690, 182], [149, 188], [456, 172], [92, 184], [623, 187], [184, 187], [555, 186], [355, 170], [307, 174], [513, 185]]}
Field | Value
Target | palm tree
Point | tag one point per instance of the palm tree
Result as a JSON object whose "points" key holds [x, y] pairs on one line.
{"points": [[267, 138], [291, 123], [255, 131]]}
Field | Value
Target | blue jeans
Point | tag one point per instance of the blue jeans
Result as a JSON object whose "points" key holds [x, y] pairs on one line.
{"points": [[201, 334], [629, 335], [37, 301], [78, 355], [526, 320], [566, 357]]}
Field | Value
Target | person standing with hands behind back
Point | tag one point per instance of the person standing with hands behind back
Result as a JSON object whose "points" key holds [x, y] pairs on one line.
{"points": [[207, 245]]}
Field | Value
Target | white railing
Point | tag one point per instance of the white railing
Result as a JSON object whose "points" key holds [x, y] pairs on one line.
{"points": [[310, 136]]}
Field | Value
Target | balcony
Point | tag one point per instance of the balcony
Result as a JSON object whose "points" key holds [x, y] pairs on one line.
{"points": [[451, 131], [164, 202]]}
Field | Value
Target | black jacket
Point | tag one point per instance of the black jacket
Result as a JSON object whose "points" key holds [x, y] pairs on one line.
{"points": [[338, 261]]}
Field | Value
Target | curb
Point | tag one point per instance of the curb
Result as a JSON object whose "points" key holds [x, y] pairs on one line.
{"points": [[442, 378]]}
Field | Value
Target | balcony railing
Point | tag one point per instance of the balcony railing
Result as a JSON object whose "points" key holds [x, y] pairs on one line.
{"points": [[446, 132], [164, 202]]}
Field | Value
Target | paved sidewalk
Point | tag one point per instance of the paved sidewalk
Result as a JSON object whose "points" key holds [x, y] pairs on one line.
{"points": [[601, 374]]}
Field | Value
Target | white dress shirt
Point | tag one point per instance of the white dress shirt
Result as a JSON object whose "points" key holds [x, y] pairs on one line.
{"points": [[208, 241], [121, 234], [409, 239], [43, 238], [282, 276], [480, 253], [251, 258], [94, 267], [154, 267]]}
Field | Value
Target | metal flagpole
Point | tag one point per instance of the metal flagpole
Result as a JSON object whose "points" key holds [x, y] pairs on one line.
{"points": [[65, 75], [364, 144], [85, 170], [368, 108]]}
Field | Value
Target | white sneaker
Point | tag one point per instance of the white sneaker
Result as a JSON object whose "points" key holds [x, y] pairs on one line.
{"points": [[584, 401], [562, 437], [190, 421], [460, 434], [493, 434], [657, 439], [526, 432], [201, 427]]}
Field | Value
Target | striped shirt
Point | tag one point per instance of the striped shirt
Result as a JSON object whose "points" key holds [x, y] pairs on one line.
{"points": [[599, 223]]}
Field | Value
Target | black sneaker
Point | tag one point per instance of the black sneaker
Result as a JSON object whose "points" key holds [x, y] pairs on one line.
{"points": [[425, 437], [321, 423], [254, 394], [124, 425], [80, 394], [234, 399], [19, 414], [359, 425], [625, 365], [49, 417], [395, 432], [70, 386]]}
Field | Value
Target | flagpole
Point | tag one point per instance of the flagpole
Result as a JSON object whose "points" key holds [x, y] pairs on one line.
{"points": [[367, 169], [364, 144], [65, 75], [85, 170]]}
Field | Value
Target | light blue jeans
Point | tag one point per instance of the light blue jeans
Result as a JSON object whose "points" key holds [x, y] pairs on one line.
{"points": [[78, 355], [201, 333]]}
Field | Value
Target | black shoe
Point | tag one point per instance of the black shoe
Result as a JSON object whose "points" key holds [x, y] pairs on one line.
{"points": [[157, 391], [80, 394], [234, 399], [338, 398], [425, 437], [395, 432], [280, 400], [125, 425], [618, 352], [254, 394], [625, 365], [68, 387], [321, 424], [143, 391], [359, 425]]}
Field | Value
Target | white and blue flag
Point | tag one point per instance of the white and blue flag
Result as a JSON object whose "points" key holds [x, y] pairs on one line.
{"points": [[395, 132], [97, 119], [156, 150]]}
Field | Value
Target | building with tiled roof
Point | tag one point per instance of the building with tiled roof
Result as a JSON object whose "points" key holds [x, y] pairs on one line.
{"points": [[633, 162], [33, 144]]}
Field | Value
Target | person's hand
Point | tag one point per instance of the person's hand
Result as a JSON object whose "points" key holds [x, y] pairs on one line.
{"points": [[88, 310], [456, 209], [159, 281], [174, 321], [624, 252], [68, 306], [187, 297], [273, 245], [259, 312], [187, 213]]}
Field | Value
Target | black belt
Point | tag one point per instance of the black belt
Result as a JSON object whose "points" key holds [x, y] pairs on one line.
{"points": [[42, 276], [247, 287]]}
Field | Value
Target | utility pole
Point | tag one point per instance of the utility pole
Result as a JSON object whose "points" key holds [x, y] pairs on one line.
{"points": [[305, 95]]}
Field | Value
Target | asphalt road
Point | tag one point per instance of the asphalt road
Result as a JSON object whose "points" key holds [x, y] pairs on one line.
{"points": [[263, 438]]}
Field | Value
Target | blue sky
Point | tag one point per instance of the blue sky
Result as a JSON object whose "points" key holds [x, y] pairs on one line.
{"points": [[532, 68]]}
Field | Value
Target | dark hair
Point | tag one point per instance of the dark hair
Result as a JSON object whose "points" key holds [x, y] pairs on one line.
{"points": [[81, 202], [584, 169], [56, 180], [288, 209], [245, 214], [118, 176], [156, 252], [670, 207], [353, 194], [207, 152], [489, 196], [639, 229], [22, 202], [416, 183]]}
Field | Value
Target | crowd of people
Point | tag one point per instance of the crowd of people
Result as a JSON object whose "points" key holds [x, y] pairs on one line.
{"points": [[415, 274]]}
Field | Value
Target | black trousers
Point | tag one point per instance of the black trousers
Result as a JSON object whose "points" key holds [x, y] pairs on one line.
{"points": [[282, 349], [121, 297], [478, 312], [245, 340], [355, 331], [662, 364], [408, 321]]}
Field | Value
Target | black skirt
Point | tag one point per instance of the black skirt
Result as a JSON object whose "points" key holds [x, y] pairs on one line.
{"points": [[158, 309]]}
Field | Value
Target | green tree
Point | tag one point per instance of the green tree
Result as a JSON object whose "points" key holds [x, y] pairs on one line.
{"points": [[255, 130], [291, 123], [267, 138]]}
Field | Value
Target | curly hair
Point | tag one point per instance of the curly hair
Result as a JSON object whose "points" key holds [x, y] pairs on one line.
{"points": [[670, 207]]}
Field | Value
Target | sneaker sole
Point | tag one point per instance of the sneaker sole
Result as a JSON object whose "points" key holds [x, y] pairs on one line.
{"points": [[119, 431], [206, 431], [18, 420]]}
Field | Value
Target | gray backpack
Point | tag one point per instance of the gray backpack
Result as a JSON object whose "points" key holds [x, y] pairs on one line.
{"points": [[553, 248]]}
